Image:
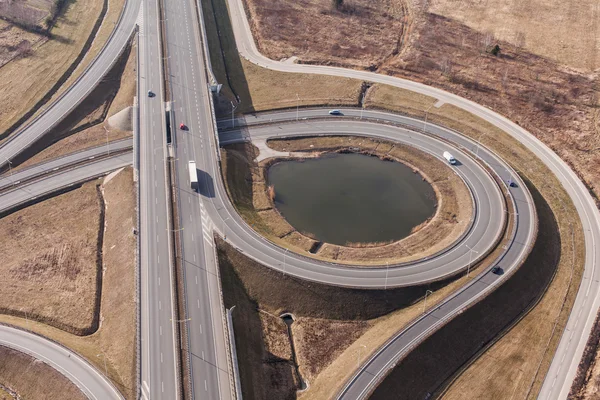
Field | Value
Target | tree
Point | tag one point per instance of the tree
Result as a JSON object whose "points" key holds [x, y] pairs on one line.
{"points": [[495, 50], [337, 4]]}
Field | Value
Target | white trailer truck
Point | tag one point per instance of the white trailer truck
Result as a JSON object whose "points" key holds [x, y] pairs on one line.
{"points": [[193, 174], [450, 158]]}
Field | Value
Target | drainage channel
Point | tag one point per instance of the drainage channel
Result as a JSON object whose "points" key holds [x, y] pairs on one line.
{"points": [[289, 320]]}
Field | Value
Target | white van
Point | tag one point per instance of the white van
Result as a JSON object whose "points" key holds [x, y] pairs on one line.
{"points": [[450, 158]]}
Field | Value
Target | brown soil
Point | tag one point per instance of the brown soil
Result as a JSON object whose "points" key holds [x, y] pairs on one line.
{"points": [[17, 42], [365, 31], [115, 338], [33, 379], [258, 94], [562, 31], [49, 274], [452, 217]]}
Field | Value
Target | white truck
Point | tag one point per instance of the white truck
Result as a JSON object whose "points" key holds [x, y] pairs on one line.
{"points": [[193, 174], [450, 158]]}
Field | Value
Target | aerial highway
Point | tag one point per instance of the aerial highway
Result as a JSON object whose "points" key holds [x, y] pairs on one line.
{"points": [[564, 365], [191, 105], [93, 384], [159, 361]]}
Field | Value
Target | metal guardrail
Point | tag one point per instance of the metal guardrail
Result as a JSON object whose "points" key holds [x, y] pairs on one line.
{"points": [[234, 359]]}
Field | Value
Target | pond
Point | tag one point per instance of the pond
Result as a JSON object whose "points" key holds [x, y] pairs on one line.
{"points": [[351, 198]]}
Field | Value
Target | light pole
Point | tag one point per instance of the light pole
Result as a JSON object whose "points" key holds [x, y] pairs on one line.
{"points": [[387, 269], [224, 234], [26, 319], [478, 141], [9, 168], [297, 106], [103, 357], [358, 358], [427, 292], [471, 251], [362, 105], [107, 148], [426, 112], [180, 320], [233, 107], [284, 253]]}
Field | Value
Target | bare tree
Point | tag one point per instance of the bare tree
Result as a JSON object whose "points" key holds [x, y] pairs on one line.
{"points": [[488, 39], [446, 67], [505, 79]]}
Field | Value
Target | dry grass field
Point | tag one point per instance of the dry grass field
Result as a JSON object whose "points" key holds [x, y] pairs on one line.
{"points": [[314, 30], [116, 335], [50, 274], [29, 378], [565, 31]]}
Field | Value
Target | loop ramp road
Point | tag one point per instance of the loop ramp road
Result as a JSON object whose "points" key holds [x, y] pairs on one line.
{"points": [[487, 227], [489, 210]]}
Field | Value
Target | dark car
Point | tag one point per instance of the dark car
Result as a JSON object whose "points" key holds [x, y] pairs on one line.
{"points": [[150, 93], [497, 270], [335, 112], [512, 183]]}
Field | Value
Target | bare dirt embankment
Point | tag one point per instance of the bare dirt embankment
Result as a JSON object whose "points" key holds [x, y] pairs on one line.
{"points": [[63, 220], [325, 326], [246, 182], [53, 63], [28, 378]]}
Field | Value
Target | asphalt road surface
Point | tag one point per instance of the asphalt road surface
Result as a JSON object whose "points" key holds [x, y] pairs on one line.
{"points": [[23, 194], [160, 378], [191, 106], [75, 368], [71, 160]]}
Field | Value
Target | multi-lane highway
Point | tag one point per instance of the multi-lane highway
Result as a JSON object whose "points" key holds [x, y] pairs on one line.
{"points": [[31, 190], [68, 161], [191, 106], [159, 362]]}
